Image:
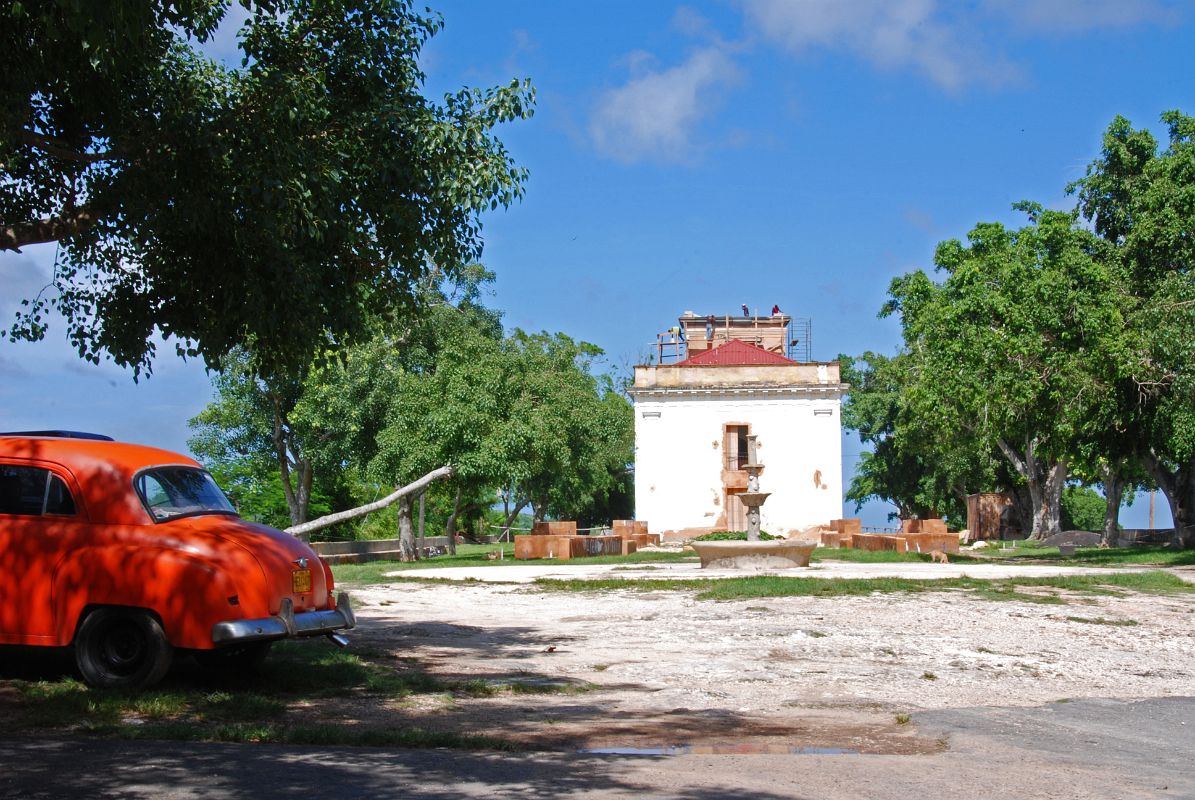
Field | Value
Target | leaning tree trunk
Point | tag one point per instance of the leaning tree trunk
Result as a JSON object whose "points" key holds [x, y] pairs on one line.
{"points": [[406, 533], [1179, 488], [1044, 480], [305, 530]]}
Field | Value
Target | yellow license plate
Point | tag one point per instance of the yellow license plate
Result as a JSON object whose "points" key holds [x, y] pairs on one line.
{"points": [[301, 581]]}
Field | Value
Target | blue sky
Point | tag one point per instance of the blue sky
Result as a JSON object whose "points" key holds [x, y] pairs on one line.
{"points": [[702, 155]]}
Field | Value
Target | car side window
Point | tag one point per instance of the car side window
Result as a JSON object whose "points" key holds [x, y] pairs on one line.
{"points": [[155, 494], [33, 491]]}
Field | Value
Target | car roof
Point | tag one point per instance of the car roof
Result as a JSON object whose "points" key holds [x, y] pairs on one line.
{"points": [[103, 470]]}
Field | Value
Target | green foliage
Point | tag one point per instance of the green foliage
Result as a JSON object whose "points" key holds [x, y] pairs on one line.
{"points": [[733, 536], [1018, 350], [282, 205], [527, 413], [1082, 509], [919, 468], [1141, 200]]}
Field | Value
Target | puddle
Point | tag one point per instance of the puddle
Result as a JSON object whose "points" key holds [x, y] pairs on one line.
{"points": [[717, 749]]}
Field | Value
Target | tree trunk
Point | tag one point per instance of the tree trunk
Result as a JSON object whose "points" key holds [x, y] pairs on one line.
{"points": [[450, 527], [1179, 488], [406, 534], [422, 540], [1113, 491], [286, 450], [1044, 480], [513, 514], [343, 516]]}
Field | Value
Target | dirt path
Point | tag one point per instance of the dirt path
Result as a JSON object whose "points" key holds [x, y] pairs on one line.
{"points": [[663, 669]]}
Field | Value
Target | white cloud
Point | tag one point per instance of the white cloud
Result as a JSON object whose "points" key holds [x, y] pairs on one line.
{"points": [[1081, 16], [947, 42], [892, 34], [654, 115]]}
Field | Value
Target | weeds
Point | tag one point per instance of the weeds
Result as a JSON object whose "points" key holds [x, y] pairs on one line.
{"points": [[1153, 582]]}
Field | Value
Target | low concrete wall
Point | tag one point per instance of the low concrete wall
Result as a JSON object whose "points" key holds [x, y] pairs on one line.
{"points": [[368, 550]]}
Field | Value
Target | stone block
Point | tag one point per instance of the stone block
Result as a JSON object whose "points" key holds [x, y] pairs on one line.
{"points": [[628, 546], [579, 546], [554, 528], [879, 541], [935, 526], [830, 538], [530, 546], [562, 548], [929, 542], [847, 526]]}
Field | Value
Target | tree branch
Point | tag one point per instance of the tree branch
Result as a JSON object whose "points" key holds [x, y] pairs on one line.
{"points": [[360, 511], [16, 235], [1017, 463], [60, 149]]}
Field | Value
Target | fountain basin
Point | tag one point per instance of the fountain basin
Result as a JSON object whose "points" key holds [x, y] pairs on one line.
{"points": [[772, 554]]}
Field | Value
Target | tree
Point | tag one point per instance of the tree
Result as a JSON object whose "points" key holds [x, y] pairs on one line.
{"points": [[247, 434], [525, 415], [1082, 509], [317, 418], [1141, 200], [1017, 346], [282, 206], [915, 465]]}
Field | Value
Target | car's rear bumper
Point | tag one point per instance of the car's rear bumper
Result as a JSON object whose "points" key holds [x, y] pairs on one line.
{"points": [[287, 624]]}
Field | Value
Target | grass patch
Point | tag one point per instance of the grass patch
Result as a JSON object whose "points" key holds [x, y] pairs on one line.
{"points": [[1146, 555], [1121, 623], [877, 556], [903, 719], [481, 688], [376, 571], [1153, 582], [281, 705]]}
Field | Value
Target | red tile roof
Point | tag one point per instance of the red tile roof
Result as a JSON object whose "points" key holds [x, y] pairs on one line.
{"points": [[734, 353]]}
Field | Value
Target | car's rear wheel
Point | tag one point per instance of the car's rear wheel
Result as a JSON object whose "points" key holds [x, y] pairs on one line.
{"points": [[235, 657], [122, 648]]}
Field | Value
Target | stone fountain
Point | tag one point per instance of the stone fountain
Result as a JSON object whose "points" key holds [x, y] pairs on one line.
{"points": [[753, 553]]}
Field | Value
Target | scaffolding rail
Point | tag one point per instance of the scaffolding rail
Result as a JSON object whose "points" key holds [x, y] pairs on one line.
{"points": [[792, 337]]}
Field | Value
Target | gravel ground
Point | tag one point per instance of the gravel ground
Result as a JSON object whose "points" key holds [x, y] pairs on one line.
{"points": [[665, 669]]}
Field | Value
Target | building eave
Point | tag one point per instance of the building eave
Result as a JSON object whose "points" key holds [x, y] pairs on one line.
{"points": [[827, 390]]}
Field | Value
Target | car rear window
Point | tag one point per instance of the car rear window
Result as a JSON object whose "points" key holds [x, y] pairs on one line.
{"points": [[170, 492], [33, 491]]}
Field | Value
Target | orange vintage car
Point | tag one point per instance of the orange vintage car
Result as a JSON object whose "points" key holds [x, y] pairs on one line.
{"points": [[130, 553]]}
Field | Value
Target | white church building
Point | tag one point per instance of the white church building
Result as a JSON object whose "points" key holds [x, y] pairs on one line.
{"points": [[715, 380]]}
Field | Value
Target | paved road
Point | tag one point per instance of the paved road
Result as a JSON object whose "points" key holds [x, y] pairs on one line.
{"points": [[1080, 750]]}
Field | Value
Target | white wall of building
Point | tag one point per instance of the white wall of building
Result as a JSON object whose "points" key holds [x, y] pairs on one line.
{"points": [[679, 456]]}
